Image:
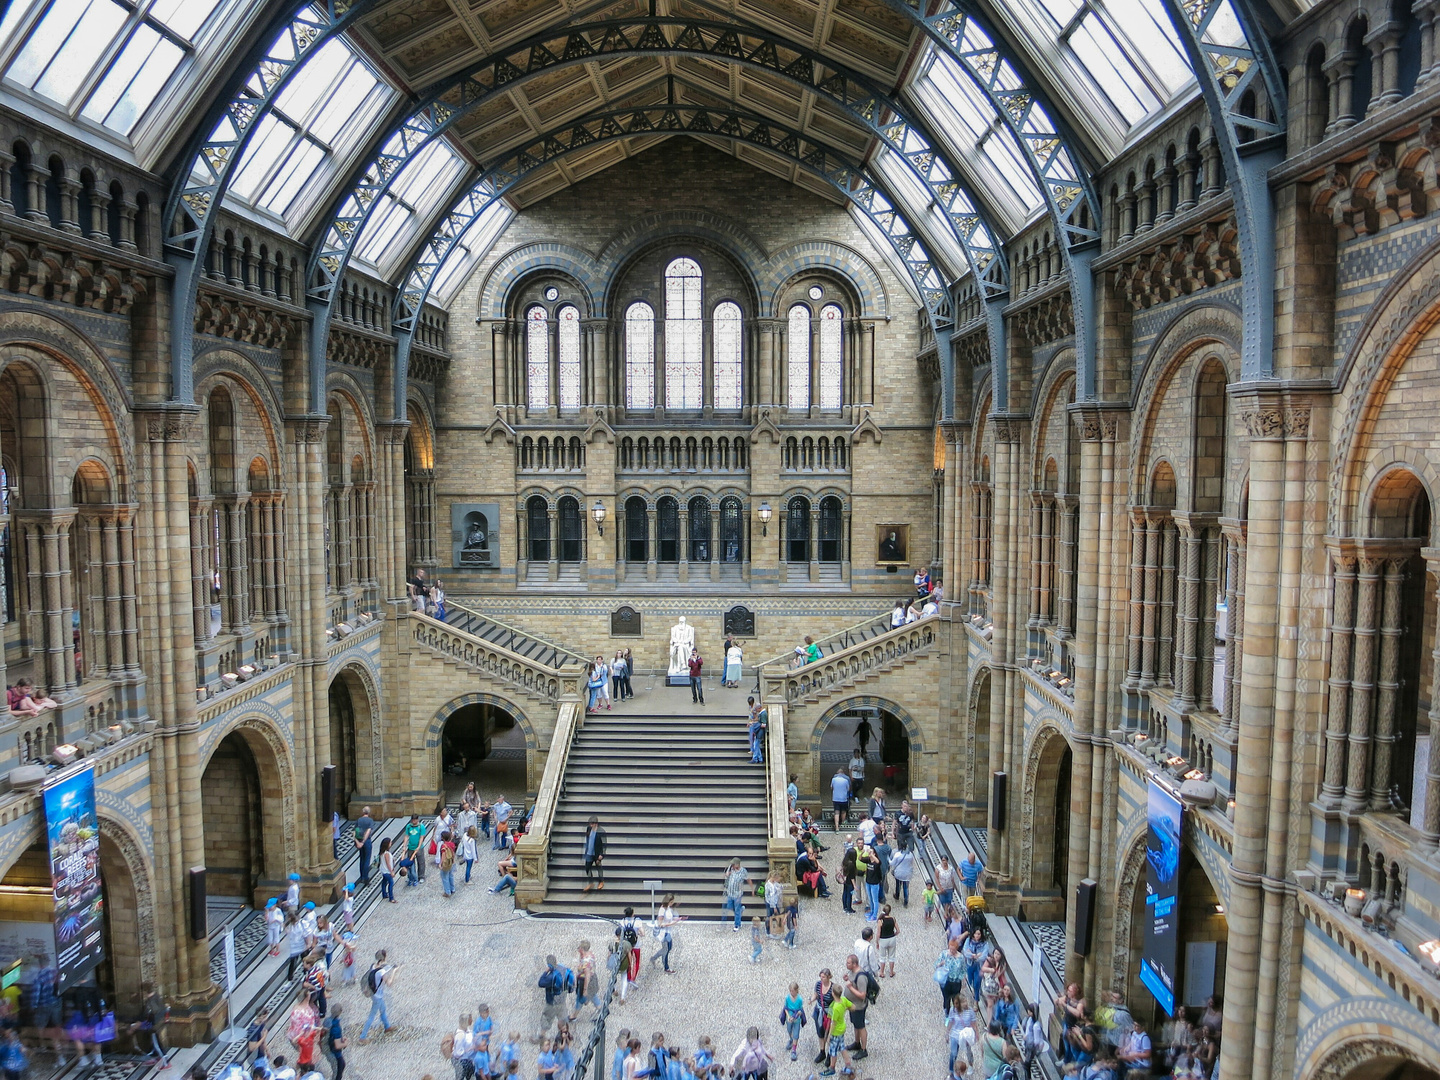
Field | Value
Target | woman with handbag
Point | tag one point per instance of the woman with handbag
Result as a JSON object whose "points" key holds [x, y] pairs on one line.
{"points": [[792, 1016], [950, 973], [820, 1012]]}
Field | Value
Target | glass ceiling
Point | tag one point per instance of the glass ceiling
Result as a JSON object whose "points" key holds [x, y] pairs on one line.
{"points": [[474, 242], [104, 60], [1114, 62]]}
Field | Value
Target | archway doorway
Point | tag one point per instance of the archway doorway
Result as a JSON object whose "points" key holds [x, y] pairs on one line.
{"points": [[350, 721], [243, 797], [483, 743], [1387, 1067], [1046, 893], [27, 932], [886, 751], [1204, 936]]}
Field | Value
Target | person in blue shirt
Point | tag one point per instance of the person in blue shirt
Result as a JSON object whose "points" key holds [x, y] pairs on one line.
{"points": [[840, 795], [970, 870], [484, 1023], [617, 1062], [548, 1064]]}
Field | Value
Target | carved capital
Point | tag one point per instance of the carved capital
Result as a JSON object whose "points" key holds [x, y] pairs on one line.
{"points": [[1008, 429], [393, 432], [307, 429], [172, 421], [1275, 421]]}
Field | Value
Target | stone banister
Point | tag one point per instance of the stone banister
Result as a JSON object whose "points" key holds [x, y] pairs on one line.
{"points": [[798, 686], [779, 848], [532, 851], [538, 680], [560, 657], [841, 639]]}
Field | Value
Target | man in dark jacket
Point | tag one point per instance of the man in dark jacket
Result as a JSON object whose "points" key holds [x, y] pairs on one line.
{"points": [[594, 854]]}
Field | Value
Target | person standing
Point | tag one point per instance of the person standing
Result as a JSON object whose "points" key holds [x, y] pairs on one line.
{"points": [[594, 853], [414, 837], [874, 875], [835, 1045], [468, 851], [863, 734], [501, 809], [857, 773], [840, 796], [617, 675], [697, 686], [950, 974], [970, 870], [945, 884], [849, 875], [889, 933], [792, 1011], [734, 660], [629, 671], [736, 878], [447, 865], [387, 871], [379, 978], [585, 986], [857, 990], [751, 1061], [902, 869], [627, 933], [553, 982]]}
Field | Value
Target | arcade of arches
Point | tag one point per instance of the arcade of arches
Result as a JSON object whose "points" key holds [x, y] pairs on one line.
{"points": [[747, 324]]}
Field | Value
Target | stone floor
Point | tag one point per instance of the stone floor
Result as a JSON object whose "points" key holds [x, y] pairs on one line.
{"points": [[457, 953]]}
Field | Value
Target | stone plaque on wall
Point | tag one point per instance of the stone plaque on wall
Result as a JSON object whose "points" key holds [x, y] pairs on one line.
{"points": [[475, 535], [626, 622], [740, 621]]}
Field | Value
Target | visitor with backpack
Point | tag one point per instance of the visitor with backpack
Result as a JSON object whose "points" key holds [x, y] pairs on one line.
{"points": [[751, 1061], [862, 990], [376, 984], [447, 865], [556, 982], [628, 934]]}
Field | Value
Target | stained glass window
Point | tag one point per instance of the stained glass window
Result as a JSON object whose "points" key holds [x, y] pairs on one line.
{"points": [[569, 317], [537, 348], [684, 336], [728, 352], [797, 358], [831, 357], [639, 356]]}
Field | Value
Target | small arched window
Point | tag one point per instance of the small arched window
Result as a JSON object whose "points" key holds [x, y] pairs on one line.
{"points": [[537, 352], [731, 531], [684, 335], [639, 356], [831, 357], [797, 530], [728, 353], [797, 358], [637, 530], [830, 529], [572, 539], [537, 515], [667, 530], [569, 318]]}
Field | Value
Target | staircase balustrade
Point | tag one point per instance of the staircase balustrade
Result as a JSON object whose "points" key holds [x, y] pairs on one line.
{"points": [[467, 619], [539, 680], [865, 630], [532, 851], [780, 848], [795, 686]]}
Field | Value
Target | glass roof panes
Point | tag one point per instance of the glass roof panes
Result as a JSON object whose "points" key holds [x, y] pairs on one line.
{"points": [[473, 245], [420, 185], [140, 45], [321, 111], [920, 209]]}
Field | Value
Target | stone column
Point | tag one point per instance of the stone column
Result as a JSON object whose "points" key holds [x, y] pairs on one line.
{"points": [[683, 544], [1235, 627], [1388, 683], [46, 535], [1187, 639], [1136, 640], [1362, 682]]}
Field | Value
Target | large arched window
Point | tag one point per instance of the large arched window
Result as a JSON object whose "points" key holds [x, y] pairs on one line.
{"points": [[637, 530], [830, 530], [684, 336], [537, 357], [667, 530], [731, 531], [537, 518], [572, 539], [797, 530], [727, 337], [797, 358], [569, 318], [831, 357], [639, 356]]}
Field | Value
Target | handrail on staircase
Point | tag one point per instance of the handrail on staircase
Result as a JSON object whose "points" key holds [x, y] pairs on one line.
{"points": [[780, 849], [532, 851], [842, 639], [794, 685], [515, 632]]}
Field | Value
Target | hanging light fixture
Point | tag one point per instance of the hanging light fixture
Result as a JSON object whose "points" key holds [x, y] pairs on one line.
{"points": [[598, 513], [765, 515]]}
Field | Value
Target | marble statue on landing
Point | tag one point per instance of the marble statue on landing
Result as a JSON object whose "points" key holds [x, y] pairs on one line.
{"points": [[682, 641]]}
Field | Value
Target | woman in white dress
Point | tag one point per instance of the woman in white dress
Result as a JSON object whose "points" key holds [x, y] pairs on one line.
{"points": [[732, 665]]}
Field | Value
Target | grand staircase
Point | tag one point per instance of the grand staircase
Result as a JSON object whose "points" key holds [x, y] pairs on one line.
{"points": [[678, 798]]}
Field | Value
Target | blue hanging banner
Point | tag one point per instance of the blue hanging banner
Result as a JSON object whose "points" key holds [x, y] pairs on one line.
{"points": [[1160, 958], [74, 834]]}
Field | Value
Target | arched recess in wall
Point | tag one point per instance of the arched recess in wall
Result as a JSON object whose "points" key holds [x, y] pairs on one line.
{"points": [[355, 748], [1045, 826], [249, 809], [501, 281], [421, 528], [975, 780], [1343, 1042], [435, 735], [825, 258]]}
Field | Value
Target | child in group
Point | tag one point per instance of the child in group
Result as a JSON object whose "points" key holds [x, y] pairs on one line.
{"points": [[347, 958], [704, 1056], [548, 1065], [774, 894], [931, 897], [792, 920], [484, 1025], [757, 938], [347, 908], [509, 1052], [468, 852], [792, 1015], [274, 924], [480, 1056], [775, 928], [617, 1062]]}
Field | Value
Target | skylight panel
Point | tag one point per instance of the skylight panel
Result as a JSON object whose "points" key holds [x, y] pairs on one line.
{"points": [[183, 16], [1107, 65], [137, 75], [271, 139], [60, 51], [474, 243], [349, 98], [317, 75], [916, 201], [305, 158], [1154, 38]]}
